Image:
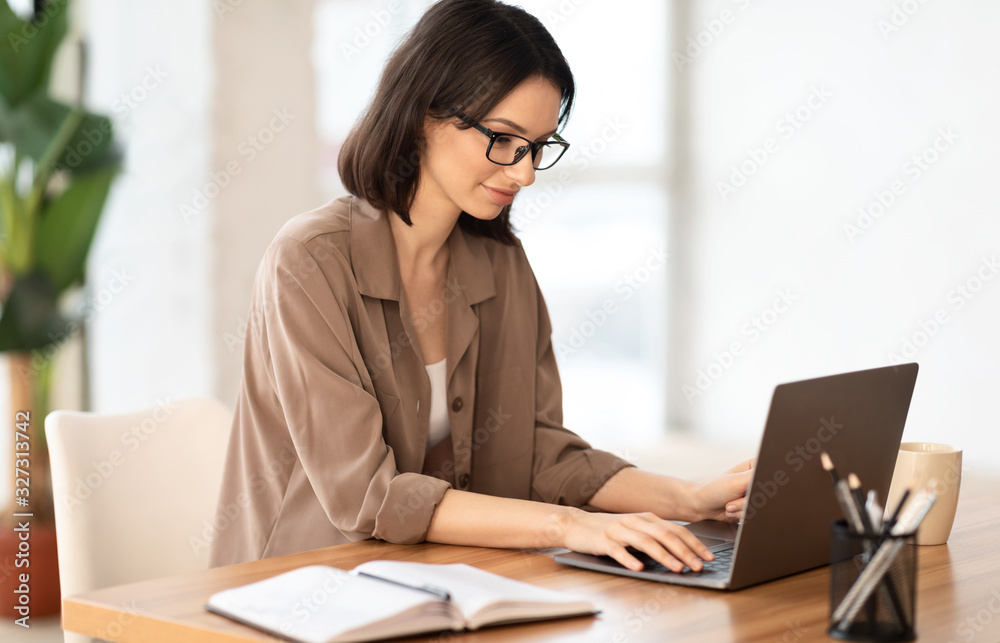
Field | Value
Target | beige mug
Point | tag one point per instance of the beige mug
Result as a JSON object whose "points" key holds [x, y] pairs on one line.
{"points": [[918, 464]]}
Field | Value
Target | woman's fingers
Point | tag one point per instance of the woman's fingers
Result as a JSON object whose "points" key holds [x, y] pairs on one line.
{"points": [[734, 510], [647, 545], [723, 497], [744, 465], [621, 554], [667, 543]]}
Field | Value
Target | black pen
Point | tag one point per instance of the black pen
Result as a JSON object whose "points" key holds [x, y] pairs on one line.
{"points": [[902, 501], [854, 483], [440, 592]]}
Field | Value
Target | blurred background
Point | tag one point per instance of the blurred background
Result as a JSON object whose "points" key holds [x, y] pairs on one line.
{"points": [[757, 192]]}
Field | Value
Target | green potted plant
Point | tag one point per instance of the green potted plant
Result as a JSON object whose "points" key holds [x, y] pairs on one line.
{"points": [[57, 162]]}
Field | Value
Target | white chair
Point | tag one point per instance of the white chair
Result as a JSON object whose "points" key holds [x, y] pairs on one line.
{"points": [[135, 493]]}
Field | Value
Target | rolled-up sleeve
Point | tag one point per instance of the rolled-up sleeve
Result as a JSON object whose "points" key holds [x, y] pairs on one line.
{"points": [[567, 470], [332, 414]]}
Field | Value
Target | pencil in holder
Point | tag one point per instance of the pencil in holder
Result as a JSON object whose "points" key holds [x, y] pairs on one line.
{"points": [[872, 585]]}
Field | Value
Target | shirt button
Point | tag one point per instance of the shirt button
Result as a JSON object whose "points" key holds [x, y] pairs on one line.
{"points": [[456, 404], [463, 481]]}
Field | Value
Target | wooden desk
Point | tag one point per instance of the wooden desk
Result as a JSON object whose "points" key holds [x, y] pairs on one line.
{"points": [[958, 596]]}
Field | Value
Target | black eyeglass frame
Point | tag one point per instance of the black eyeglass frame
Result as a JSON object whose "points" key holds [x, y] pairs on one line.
{"points": [[521, 150]]}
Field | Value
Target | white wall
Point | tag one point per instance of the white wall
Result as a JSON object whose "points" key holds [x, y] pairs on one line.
{"points": [[214, 104], [880, 97], [265, 149], [148, 269]]}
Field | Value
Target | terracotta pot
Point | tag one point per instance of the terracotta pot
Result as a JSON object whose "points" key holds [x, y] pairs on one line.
{"points": [[42, 595]]}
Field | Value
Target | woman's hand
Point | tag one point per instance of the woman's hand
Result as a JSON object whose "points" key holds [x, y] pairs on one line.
{"points": [[723, 497], [465, 518], [632, 490], [610, 534]]}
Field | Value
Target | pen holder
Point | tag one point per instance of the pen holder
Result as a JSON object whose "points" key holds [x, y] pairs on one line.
{"points": [[872, 585]]}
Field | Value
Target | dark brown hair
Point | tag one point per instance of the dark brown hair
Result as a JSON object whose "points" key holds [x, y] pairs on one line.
{"points": [[467, 54]]}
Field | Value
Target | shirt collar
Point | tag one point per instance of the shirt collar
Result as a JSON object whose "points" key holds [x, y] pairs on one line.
{"points": [[376, 268]]}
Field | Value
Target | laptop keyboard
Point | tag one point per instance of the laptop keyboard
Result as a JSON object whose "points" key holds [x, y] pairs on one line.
{"points": [[723, 561]]}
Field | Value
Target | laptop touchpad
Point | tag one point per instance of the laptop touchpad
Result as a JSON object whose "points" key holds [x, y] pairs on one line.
{"points": [[713, 542]]}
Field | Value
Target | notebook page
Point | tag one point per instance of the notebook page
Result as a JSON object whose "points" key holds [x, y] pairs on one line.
{"points": [[482, 596], [316, 604]]}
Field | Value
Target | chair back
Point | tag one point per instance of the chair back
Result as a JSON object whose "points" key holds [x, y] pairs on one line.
{"points": [[135, 493]]}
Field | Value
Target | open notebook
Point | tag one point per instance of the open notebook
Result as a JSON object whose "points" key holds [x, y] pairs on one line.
{"points": [[319, 604]]}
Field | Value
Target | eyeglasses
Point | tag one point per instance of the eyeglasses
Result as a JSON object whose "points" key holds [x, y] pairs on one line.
{"points": [[508, 149]]}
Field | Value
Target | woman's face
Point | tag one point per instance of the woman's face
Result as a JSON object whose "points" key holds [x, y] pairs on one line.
{"points": [[455, 173]]}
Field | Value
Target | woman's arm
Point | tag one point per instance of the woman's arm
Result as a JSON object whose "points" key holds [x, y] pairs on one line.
{"points": [[718, 498], [464, 518]]}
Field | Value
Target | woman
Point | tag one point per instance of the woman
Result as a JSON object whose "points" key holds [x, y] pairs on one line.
{"points": [[399, 378]]}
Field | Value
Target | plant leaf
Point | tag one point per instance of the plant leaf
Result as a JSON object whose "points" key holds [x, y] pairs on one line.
{"points": [[66, 227], [35, 122], [31, 318], [27, 50]]}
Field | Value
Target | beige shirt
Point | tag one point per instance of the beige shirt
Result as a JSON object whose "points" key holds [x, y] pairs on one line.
{"points": [[331, 420]]}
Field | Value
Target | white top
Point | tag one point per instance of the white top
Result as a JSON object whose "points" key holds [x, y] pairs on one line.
{"points": [[439, 427]]}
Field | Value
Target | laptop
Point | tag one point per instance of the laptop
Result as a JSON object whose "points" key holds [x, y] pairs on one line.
{"points": [[857, 418]]}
